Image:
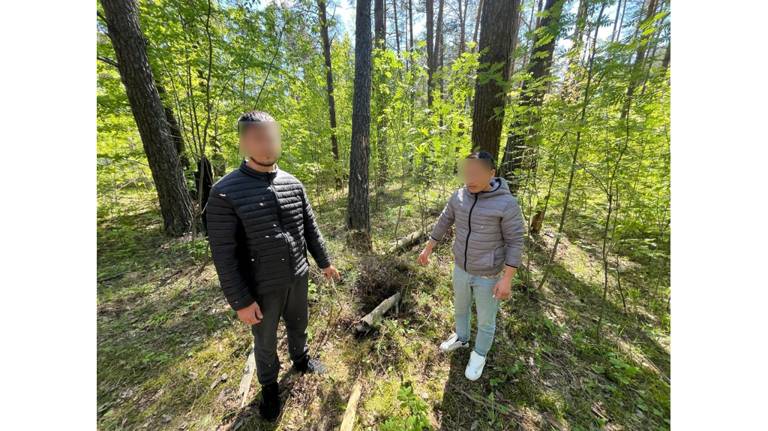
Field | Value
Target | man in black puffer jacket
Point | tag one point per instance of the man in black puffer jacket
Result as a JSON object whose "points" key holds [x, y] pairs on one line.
{"points": [[260, 226]]}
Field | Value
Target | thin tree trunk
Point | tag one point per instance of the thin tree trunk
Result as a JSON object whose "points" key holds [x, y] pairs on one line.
{"points": [[462, 4], [130, 50], [410, 23], [621, 21], [575, 56], [380, 36], [538, 13], [637, 67], [495, 41], [516, 24], [329, 88], [380, 24], [439, 48], [616, 21], [412, 105], [524, 131], [477, 22], [430, 50], [667, 57], [357, 207], [575, 158], [397, 27]]}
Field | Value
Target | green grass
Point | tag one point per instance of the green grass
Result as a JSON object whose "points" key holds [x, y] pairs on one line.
{"points": [[171, 352]]}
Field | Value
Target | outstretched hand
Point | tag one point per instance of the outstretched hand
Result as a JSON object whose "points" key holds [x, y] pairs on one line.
{"points": [[423, 258], [331, 273]]}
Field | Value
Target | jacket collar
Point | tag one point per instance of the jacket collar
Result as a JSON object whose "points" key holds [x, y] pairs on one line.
{"points": [[265, 176], [498, 186]]}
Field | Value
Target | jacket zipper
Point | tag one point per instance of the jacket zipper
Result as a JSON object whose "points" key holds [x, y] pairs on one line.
{"points": [[469, 231], [280, 222]]}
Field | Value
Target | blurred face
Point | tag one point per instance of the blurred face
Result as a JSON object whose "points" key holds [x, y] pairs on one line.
{"points": [[261, 142], [477, 175]]}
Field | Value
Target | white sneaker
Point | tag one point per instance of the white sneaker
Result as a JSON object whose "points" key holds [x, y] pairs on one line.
{"points": [[475, 366], [452, 343]]}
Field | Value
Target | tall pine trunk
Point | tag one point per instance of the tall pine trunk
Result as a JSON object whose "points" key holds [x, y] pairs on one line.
{"points": [[410, 23], [380, 38], [329, 88], [439, 49], [397, 26], [130, 49], [524, 131], [430, 49], [357, 206], [495, 43], [462, 5]]}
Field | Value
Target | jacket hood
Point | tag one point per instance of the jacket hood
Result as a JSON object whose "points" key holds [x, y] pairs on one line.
{"points": [[498, 187]]}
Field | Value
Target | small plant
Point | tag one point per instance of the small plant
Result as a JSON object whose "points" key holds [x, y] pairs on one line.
{"points": [[415, 418]]}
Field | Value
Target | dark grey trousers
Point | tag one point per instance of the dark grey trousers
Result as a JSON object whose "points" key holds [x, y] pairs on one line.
{"points": [[290, 304]]}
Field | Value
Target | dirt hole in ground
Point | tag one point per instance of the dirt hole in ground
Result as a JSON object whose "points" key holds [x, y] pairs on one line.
{"points": [[380, 277]]}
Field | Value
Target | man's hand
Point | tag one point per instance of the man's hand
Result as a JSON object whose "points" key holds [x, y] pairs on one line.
{"points": [[331, 273], [423, 258], [503, 289], [250, 315]]}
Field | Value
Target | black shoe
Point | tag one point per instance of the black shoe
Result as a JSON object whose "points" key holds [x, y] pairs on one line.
{"points": [[309, 365], [270, 402]]}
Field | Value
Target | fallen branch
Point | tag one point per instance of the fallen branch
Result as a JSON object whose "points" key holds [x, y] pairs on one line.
{"points": [[245, 382], [411, 239], [348, 422], [372, 319]]}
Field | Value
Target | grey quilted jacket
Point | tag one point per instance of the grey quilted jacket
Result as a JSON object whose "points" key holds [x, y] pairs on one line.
{"points": [[489, 229]]}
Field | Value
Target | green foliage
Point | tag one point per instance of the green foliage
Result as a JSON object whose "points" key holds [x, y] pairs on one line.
{"points": [[261, 55], [414, 408]]}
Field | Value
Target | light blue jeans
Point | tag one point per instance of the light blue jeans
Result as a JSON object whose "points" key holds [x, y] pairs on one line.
{"points": [[464, 286]]}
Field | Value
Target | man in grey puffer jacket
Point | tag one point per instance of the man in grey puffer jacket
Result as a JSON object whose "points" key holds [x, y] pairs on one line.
{"points": [[487, 251]]}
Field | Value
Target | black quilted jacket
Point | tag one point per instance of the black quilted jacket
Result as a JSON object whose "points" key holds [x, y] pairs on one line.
{"points": [[260, 226]]}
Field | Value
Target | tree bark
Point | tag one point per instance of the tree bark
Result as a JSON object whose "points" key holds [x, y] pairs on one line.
{"points": [[462, 4], [329, 88], [667, 57], [524, 127], [621, 21], [130, 49], [380, 24], [380, 37], [410, 22], [477, 22], [637, 67], [173, 126], [397, 27], [616, 21], [430, 49], [439, 47], [357, 207], [516, 24], [581, 23], [495, 42]]}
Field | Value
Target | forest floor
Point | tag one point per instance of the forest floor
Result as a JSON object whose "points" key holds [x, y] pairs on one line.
{"points": [[171, 353]]}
